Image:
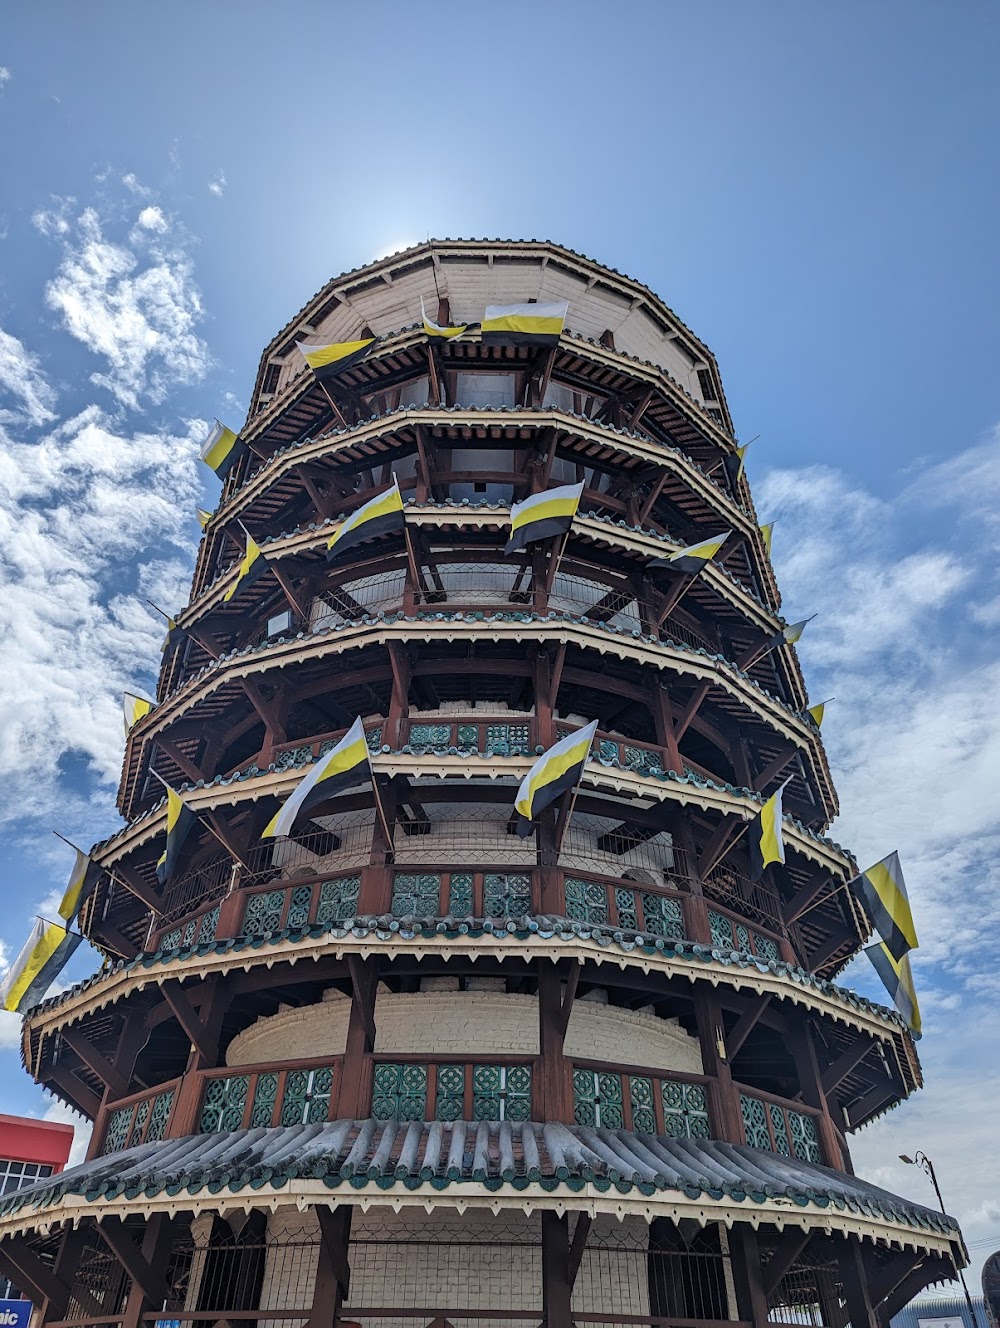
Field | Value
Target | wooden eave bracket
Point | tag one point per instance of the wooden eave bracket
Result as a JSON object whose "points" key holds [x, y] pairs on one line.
{"points": [[129, 1255]]}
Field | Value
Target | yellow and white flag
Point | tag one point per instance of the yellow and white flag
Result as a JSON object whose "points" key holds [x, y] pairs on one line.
{"points": [[693, 558], [817, 711], [203, 517], [134, 708], [898, 978], [766, 534], [881, 892], [82, 879], [43, 957], [767, 844], [328, 361], [378, 516], [525, 324], [438, 332], [221, 450], [252, 568], [343, 767], [543, 515], [555, 771]]}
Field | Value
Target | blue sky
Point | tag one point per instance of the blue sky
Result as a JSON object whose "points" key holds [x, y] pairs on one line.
{"points": [[814, 189]]}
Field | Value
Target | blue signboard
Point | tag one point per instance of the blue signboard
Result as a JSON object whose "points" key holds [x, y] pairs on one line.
{"points": [[15, 1313]]}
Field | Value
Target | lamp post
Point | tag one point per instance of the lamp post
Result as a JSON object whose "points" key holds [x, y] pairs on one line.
{"points": [[923, 1161]]}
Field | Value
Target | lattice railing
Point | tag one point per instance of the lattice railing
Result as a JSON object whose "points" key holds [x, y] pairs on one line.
{"points": [[780, 1127], [300, 1093], [487, 1090], [732, 933], [648, 1103], [142, 1119]]}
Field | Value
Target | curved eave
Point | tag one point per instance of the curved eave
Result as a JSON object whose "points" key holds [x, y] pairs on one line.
{"points": [[623, 447], [539, 939], [467, 1164], [601, 777], [691, 664]]}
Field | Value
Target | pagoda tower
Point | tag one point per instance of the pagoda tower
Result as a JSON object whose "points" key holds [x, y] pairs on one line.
{"points": [[405, 1066]]}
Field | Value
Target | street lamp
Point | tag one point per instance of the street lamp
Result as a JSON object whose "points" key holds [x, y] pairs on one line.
{"points": [[923, 1161]]}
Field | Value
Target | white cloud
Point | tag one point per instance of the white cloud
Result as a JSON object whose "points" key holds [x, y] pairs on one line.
{"points": [[4, 75], [90, 517], [152, 219], [21, 379], [217, 184], [135, 305], [902, 641]]}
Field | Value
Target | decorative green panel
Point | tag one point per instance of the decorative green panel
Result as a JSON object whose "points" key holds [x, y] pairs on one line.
{"points": [[587, 901], [223, 1103], [374, 739], [721, 929], [141, 1112], [506, 895], [450, 1098], [685, 1109], [643, 1112], [162, 1105], [307, 1096], [298, 907], [663, 916], [742, 938], [765, 947], [209, 924], [400, 1092], [805, 1140], [501, 1092], [170, 940], [264, 1096], [607, 749], [414, 894], [597, 1099], [754, 1122], [338, 900], [293, 756], [263, 913], [430, 735], [467, 737], [628, 915], [191, 931], [118, 1130], [781, 1144], [638, 758], [501, 739], [460, 895]]}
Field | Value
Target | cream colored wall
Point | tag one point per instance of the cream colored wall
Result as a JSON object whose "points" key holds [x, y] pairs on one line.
{"points": [[478, 1022], [472, 283]]}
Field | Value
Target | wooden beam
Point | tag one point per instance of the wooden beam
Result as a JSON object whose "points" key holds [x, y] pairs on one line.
{"points": [[745, 1025], [334, 1228], [837, 1072], [566, 1005], [193, 1024], [134, 883], [691, 709], [863, 1108], [115, 1082], [804, 898], [577, 1246], [775, 767], [86, 1101], [128, 1254], [791, 1245], [719, 843], [556, 1285], [838, 938], [174, 753], [359, 979], [29, 1273], [641, 408]]}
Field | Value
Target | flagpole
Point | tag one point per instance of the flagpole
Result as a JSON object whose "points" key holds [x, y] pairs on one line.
{"points": [[70, 843], [411, 558], [158, 610], [379, 809], [556, 560], [567, 815], [822, 900], [203, 819]]}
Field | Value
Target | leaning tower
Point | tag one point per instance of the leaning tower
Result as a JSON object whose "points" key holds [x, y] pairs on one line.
{"points": [[403, 1065]]}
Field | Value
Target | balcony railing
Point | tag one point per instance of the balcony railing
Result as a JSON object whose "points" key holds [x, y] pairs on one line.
{"points": [[779, 1126], [408, 1088], [143, 1118], [678, 1105], [300, 1093]]}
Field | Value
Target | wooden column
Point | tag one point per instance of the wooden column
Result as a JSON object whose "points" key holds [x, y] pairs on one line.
{"points": [[375, 894], [354, 1097], [663, 723], [146, 1264], [860, 1311], [708, 1015], [333, 1270], [554, 1091], [556, 1286], [747, 1275], [802, 1047]]}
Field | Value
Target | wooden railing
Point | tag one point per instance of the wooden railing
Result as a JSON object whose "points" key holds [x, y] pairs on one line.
{"points": [[780, 1126], [648, 1101], [452, 1087], [242, 1097], [142, 1118]]}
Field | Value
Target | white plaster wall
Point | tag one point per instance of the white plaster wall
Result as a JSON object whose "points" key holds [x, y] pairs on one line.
{"points": [[471, 284], [481, 1023]]}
